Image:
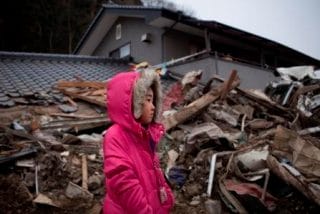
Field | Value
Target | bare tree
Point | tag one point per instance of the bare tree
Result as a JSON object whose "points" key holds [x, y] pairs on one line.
{"points": [[126, 2], [169, 5]]}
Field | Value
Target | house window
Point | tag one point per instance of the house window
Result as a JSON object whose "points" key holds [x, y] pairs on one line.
{"points": [[125, 51], [118, 32], [121, 52]]}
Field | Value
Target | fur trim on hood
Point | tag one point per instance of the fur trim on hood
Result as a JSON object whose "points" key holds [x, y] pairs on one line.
{"points": [[148, 78]]}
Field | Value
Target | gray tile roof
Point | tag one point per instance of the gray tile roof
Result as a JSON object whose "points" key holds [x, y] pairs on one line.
{"points": [[26, 74], [32, 75], [140, 7]]}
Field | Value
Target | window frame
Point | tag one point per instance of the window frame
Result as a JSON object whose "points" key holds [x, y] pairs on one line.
{"points": [[116, 53], [118, 31]]}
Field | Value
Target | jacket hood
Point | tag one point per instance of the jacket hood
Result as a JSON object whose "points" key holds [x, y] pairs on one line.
{"points": [[126, 93]]}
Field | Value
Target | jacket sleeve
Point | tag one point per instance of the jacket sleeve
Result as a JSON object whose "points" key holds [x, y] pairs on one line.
{"points": [[121, 178]]}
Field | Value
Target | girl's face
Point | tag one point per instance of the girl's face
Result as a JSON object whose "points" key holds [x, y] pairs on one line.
{"points": [[148, 108]]}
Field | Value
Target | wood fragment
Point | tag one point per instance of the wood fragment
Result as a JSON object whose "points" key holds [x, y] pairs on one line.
{"points": [[227, 86], [100, 101], [85, 123], [69, 84], [101, 92], [80, 116], [23, 134], [84, 172], [72, 102]]}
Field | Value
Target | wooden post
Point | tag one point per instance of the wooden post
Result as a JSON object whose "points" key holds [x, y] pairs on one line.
{"points": [[84, 172]]}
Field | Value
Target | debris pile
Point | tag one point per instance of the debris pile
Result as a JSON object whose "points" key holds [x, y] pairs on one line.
{"points": [[226, 150], [238, 151], [51, 157]]}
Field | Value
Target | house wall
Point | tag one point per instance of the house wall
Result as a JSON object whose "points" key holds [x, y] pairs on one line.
{"points": [[178, 44], [251, 76], [131, 31]]}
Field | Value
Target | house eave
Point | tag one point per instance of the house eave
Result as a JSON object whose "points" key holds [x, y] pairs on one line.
{"points": [[106, 17], [164, 18]]}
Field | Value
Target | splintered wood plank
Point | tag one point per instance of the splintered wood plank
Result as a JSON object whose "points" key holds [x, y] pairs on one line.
{"points": [[89, 91], [86, 123], [99, 100], [99, 92], [68, 84]]}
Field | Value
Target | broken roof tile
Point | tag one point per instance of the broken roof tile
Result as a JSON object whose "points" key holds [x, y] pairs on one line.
{"points": [[28, 73]]}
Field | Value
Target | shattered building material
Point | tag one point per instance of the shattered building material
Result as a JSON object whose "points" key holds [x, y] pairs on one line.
{"points": [[25, 152], [231, 201], [84, 123], [43, 199], [74, 191], [224, 113], [252, 189], [199, 104], [298, 182], [309, 130], [183, 91], [69, 158], [92, 92], [299, 89], [301, 153], [91, 98], [80, 84], [212, 169]]}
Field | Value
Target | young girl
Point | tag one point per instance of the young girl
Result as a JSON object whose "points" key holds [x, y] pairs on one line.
{"points": [[134, 180]]}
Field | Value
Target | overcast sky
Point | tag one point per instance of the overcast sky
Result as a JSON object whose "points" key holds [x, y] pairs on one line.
{"points": [[294, 23]]}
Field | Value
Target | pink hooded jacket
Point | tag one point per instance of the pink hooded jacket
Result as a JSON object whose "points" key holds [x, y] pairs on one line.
{"points": [[134, 180]]}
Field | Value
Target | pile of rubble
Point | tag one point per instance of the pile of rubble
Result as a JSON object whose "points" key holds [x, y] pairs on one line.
{"points": [[226, 150], [51, 156], [238, 150]]}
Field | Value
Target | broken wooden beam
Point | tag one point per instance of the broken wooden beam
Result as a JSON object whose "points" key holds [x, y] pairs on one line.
{"points": [[85, 123], [227, 87], [98, 100], [71, 115], [80, 84]]}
